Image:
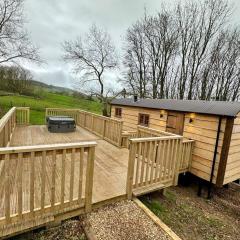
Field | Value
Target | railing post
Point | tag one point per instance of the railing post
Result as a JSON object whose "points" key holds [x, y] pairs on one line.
{"points": [[28, 115], [190, 156], [131, 161], [120, 135], [178, 159], [7, 188], [46, 113], [104, 128], [92, 122], [89, 179], [84, 122]]}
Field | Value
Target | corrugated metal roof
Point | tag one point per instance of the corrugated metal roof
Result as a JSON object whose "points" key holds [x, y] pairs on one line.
{"points": [[220, 108]]}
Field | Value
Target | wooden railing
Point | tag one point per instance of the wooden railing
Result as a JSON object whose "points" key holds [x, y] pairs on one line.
{"points": [[42, 181], [142, 132], [62, 112], [107, 128], [7, 125], [126, 136], [153, 163], [186, 158], [22, 115], [16, 115]]}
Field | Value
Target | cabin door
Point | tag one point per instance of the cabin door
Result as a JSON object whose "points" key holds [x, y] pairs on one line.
{"points": [[175, 122]]}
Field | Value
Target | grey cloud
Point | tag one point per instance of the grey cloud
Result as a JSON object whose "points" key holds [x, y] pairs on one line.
{"points": [[50, 22]]}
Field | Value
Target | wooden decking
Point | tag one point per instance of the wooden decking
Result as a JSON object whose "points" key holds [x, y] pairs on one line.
{"points": [[110, 168]]}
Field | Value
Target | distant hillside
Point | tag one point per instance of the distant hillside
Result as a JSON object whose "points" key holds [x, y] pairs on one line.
{"points": [[56, 89]]}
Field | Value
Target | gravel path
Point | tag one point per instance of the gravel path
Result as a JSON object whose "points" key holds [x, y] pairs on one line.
{"points": [[122, 221]]}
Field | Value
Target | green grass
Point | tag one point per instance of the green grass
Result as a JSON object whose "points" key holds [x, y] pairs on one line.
{"points": [[49, 100]]}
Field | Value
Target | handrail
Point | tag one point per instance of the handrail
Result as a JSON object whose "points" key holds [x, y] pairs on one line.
{"points": [[7, 125], [155, 131], [149, 139], [55, 146], [6, 117]]}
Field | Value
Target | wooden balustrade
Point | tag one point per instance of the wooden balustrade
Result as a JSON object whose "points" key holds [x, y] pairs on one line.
{"points": [[62, 112], [186, 157], [142, 132], [7, 125], [153, 163], [45, 180], [22, 115], [126, 136], [105, 127]]}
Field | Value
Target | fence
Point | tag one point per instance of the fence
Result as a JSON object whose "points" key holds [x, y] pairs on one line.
{"points": [[42, 181], [62, 112], [22, 115], [107, 128], [186, 158], [16, 115], [153, 162], [142, 132], [7, 125]]}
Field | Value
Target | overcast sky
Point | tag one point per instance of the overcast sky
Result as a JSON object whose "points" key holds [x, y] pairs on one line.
{"points": [[50, 22]]}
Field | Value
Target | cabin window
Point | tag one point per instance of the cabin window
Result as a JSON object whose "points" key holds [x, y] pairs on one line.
{"points": [[118, 112], [143, 120]]}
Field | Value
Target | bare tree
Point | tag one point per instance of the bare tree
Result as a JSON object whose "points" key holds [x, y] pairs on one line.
{"points": [[188, 52], [225, 66], [136, 60], [162, 46], [198, 24], [14, 40], [91, 56]]}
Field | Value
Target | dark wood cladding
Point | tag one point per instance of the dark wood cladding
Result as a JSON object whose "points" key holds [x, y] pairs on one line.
{"points": [[224, 151]]}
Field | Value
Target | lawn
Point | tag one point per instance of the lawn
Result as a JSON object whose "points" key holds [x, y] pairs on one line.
{"points": [[49, 100]]}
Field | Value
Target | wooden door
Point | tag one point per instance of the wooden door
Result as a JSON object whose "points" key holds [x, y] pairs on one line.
{"points": [[175, 122]]}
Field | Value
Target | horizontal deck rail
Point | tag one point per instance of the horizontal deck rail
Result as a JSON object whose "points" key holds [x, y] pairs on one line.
{"points": [[42, 181], [153, 163], [105, 127]]}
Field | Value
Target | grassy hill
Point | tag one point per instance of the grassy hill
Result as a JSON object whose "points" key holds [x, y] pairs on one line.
{"points": [[49, 99]]}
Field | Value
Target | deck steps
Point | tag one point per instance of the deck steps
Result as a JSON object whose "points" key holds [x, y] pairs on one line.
{"points": [[148, 189]]}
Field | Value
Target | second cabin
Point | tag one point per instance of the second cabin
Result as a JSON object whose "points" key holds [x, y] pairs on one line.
{"points": [[213, 125]]}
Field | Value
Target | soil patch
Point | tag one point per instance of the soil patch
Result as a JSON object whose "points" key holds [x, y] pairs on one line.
{"points": [[193, 217]]}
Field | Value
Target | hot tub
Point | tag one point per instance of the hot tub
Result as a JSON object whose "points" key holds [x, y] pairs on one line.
{"points": [[61, 124]]}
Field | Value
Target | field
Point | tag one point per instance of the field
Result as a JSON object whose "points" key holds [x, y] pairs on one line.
{"points": [[49, 100]]}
